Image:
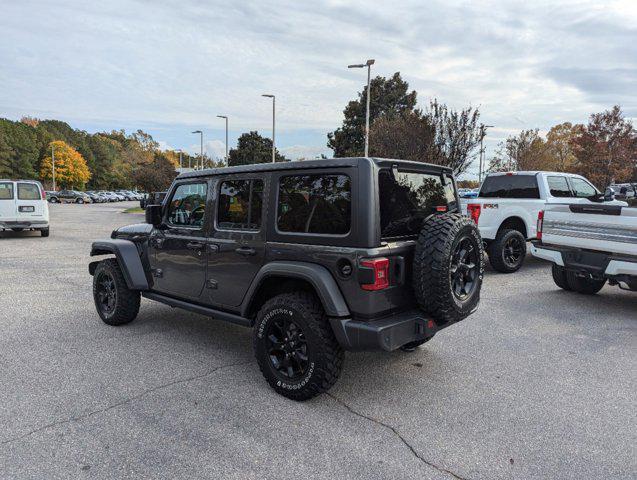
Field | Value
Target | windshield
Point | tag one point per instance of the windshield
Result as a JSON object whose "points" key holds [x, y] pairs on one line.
{"points": [[407, 199]]}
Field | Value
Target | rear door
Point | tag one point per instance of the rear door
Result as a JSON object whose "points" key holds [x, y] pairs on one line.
{"points": [[236, 249], [30, 205], [7, 201]]}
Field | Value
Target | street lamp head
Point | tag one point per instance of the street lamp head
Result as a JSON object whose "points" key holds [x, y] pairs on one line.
{"points": [[197, 131], [267, 95], [370, 62], [221, 116]]}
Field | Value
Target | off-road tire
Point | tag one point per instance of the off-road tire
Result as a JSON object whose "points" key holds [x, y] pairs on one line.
{"points": [[497, 251], [586, 286], [411, 346], [559, 277], [126, 300], [432, 277], [325, 356], [45, 232]]}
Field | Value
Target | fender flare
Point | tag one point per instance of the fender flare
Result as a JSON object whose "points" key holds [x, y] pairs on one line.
{"points": [[128, 258], [318, 276]]}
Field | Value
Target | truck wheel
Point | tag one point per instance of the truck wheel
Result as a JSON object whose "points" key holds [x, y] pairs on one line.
{"points": [[295, 347], [507, 251], [44, 232], [116, 304], [559, 277], [448, 267], [587, 286]]}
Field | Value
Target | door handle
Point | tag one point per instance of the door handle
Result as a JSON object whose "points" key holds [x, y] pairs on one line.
{"points": [[194, 245], [157, 242], [213, 248], [246, 251]]}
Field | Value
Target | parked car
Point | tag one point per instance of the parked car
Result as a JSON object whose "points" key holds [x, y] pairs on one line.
{"points": [[69, 196], [317, 257], [623, 191], [589, 244], [110, 196], [95, 197], [23, 206], [153, 198], [507, 207]]}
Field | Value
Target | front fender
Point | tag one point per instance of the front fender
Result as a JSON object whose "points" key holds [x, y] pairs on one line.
{"points": [[318, 276], [128, 258]]}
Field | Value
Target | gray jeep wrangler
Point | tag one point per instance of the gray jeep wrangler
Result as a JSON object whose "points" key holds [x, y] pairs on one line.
{"points": [[317, 257]]}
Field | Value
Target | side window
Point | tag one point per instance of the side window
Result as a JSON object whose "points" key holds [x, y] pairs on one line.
{"points": [[314, 204], [6, 191], [240, 205], [581, 188], [559, 187], [188, 205], [28, 191], [510, 186]]}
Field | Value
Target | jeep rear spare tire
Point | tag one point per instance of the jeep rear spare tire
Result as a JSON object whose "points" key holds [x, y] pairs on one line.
{"points": [[448, 267]]}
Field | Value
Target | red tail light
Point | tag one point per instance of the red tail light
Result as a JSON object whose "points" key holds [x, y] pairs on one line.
{"points": [[540, 224], [380, 268], [474, 209], [43, 193]]}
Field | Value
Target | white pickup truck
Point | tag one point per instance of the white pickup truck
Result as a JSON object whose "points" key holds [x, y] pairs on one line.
{"points": [[588, 245], [507, 208]]}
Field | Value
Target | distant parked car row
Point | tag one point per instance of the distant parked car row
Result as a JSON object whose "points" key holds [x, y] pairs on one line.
{"points": [[92, 196]]}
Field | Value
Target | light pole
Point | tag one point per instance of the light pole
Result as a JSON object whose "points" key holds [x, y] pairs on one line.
{"points": [[179, 151], [367, 64], [201, 151], [273, 124], [483, 133], [226, 118]]}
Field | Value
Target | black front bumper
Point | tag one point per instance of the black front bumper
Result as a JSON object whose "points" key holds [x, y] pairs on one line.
{"points": [[386, 333]]}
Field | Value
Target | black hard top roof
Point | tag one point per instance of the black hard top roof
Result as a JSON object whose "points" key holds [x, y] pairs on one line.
{"points": [[311, 164]]}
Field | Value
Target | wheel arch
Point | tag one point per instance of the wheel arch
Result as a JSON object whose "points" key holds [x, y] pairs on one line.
{"points": [[280, 277], [514, 222], [128, 259]]}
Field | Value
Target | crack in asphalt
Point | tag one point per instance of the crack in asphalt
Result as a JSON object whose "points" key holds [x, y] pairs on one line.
{"points": [[122, 402], [397, 434]]}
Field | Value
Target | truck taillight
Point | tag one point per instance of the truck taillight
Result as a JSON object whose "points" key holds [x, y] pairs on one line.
{"points": [[473, 209], [540, 224], [43, 193], [380, 269]]}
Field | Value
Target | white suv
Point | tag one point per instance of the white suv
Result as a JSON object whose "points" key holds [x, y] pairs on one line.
{"points": [[23, 206]]}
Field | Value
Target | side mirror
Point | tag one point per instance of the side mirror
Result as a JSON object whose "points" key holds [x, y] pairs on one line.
{"points": [[153, 215], [609, 196]]}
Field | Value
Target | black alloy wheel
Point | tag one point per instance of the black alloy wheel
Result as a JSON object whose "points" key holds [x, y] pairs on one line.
{"points": [[287, 348], [513, 252], [465, 266], [106, 293]]}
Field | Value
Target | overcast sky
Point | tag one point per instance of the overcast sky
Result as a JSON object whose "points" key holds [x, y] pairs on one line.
{"points": [[170, 66]]}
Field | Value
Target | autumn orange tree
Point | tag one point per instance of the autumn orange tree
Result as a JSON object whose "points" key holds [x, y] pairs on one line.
{"points": [[71, 170]]}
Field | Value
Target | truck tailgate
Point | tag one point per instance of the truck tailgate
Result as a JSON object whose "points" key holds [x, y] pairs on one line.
{"points": [[596, 226]]}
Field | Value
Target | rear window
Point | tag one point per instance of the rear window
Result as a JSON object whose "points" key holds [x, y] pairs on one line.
{"points": [[319, 204], [6, 191], [28, 191], [407, 199], [510, 186]]}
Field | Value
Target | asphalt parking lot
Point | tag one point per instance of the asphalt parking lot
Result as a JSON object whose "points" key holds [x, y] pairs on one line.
{"points": [[538, 384]]}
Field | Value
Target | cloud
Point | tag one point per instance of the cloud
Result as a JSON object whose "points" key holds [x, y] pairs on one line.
{"points": [[296, 152], [213, 148], [179, 63]]}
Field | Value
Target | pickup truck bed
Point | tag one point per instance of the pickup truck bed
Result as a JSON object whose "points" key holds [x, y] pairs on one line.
{"points": [[589, 243]]}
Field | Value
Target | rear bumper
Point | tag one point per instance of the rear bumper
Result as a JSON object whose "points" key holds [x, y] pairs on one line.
{"points": [[24, 224], [387, 333], [585, 261]]}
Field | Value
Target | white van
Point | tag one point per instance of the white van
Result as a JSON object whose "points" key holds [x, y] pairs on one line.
{"points": [[23, 206]]}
